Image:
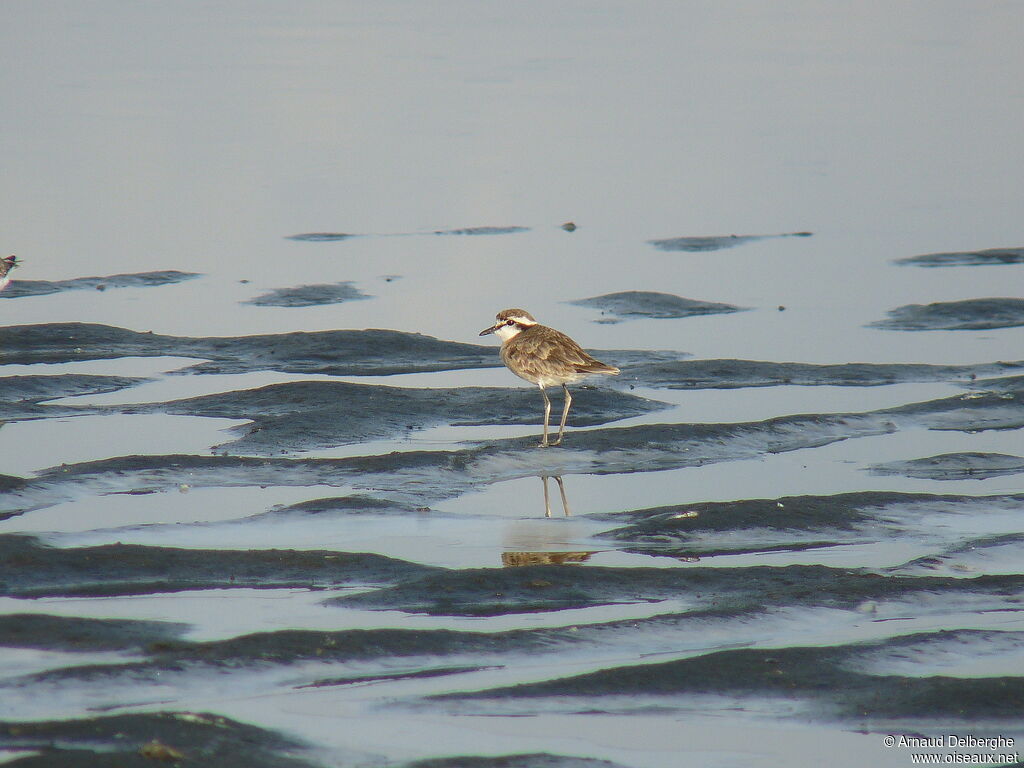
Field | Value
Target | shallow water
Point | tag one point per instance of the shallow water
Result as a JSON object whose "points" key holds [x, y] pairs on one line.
{"points": [[267, 500]]}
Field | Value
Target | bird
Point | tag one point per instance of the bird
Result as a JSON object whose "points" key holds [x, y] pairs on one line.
{"points": [[545, 357], [6, 265]]}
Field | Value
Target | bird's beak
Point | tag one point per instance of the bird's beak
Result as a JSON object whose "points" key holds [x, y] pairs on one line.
{"points": [[492, 329]]}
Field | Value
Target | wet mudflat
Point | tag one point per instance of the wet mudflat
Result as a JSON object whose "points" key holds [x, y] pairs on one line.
{"points": [[309, 295], [969, 314], [618, 306], [43, 287], [266, 505], [986, 257], [737, 600], [713, 243]]}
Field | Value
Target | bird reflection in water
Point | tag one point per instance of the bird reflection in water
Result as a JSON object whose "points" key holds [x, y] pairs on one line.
{"points": [[518, 559]]}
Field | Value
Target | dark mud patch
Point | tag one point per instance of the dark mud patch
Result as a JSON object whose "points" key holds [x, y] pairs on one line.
{"points": [[309, 295], [308, 415], [714, 242], [76, 634], [991, 256], [732, 374], [532, 760], [983, 554], [371, 352], [968, 465], [967, 315], [340, 353], [827, 679], [531, 589], [355, 504], [931, 652], [711, 597], [147, 740], [630, 304], [328, 237], [724, 591], [19, 288], [417, 674], [983, 410], [322, 237], [10, 483], [31, 569], [20, 396], [471, 231], [422, 477], [794, 523], [1002, 384], [394, 653], [34, 389]]}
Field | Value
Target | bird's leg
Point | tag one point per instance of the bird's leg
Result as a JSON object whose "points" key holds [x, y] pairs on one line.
{"points": [[547, 416], [561, 490], [565, 414], [547, 503]]}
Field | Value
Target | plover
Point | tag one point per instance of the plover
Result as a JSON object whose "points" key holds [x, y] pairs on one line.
{"points": [[545, 357], [6, 265]]}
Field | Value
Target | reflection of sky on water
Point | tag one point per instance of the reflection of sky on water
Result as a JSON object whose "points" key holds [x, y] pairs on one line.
{"points": [[147, 137]]}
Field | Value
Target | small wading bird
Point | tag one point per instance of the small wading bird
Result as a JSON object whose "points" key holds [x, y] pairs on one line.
{"points": [[545, 357], [6, 265]]}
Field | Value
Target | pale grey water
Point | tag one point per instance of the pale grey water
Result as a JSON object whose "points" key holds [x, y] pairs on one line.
{"points": [[197, 136]]}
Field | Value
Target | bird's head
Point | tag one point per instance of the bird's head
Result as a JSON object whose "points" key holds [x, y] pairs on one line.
{"points": [[509, 323]]}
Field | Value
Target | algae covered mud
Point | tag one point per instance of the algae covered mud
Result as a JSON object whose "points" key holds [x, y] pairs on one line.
{"points": [[266, 501]]}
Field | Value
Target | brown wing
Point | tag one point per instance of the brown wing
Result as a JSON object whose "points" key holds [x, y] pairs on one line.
{"points": [[539, 351]]}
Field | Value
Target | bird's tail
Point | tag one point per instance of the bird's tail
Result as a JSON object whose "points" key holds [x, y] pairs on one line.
{"points": [[597, 367]]}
